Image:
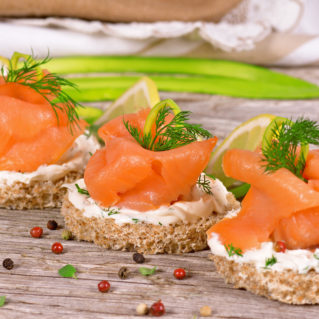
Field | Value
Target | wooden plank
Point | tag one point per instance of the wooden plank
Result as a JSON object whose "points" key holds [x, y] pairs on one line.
{"points": [[35, 290]]}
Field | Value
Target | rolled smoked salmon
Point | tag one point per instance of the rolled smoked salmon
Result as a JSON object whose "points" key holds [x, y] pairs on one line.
{"points": [[127, 175]]}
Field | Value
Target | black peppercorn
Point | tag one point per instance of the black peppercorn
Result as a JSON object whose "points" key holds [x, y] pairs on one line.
{"points": [[8, 263], [138, 258], [123, 272], [52, 225]]}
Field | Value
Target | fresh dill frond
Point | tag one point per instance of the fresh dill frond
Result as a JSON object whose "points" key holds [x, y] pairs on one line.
{"points": [[135, 220], [166, 136], [112, 211], [283, 151], [82, 190], [204, 184], [49, 85], [270, 261], [232, 250]]}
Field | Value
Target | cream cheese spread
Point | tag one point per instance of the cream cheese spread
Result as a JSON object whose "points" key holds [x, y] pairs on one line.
{"points": [[298, 260], [199, 205], [74, 159]]}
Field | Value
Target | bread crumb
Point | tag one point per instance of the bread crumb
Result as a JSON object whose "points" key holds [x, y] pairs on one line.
{"points": [[205, 311]]}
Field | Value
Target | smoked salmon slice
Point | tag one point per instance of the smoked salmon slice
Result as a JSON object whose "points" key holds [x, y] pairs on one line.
{"points": [[273, 198], [32, 133], [127, 175]]}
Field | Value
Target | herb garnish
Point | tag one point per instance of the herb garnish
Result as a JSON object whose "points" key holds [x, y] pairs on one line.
{"points": [[231, 250], [204, 184], [160, 223], [68, 271], [170, 135], [283, 150], [112, 212], [2, 300], [270, 261], [49, 85], [147, 271], [316, 256], [82, 190], [135, 220]]}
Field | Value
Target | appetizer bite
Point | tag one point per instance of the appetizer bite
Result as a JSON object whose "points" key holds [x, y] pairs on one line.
{"points": [[145, 189], [42, 144], [270, 246]]}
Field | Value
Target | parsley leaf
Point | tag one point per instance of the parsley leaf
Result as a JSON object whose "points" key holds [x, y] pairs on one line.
{"points": [[2, 300], [68, 271], [147, 271], [231, 250], [82, 190]]}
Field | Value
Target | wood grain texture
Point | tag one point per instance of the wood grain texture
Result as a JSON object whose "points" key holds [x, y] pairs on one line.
{"points": [[35, 290]]}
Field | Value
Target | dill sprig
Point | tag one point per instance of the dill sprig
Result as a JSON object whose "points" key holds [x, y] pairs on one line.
{"points": [[204, 184], [170, 135], [285, 148], [50, 86], [232, 250], [270, 261], [82, 190]]}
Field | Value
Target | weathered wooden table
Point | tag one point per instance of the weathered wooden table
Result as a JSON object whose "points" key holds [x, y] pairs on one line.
{"points": [[35, 290]]}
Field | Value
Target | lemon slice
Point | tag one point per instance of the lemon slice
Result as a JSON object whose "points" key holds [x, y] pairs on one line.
{"points": [[141, 95], [246, 136]]}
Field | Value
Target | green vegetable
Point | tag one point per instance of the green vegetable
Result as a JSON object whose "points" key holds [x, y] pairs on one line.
{"points": [[147, 271], [174, 134], [111, 87], [281, 151], [232, 250], [270, 261], [162, 65], [240, 191], [68, 271], [2, 300], [199, 75]]}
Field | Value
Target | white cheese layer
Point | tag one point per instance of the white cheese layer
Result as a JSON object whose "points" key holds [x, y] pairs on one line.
{"points": [[298, 260], [199, 205], [74, 159]]}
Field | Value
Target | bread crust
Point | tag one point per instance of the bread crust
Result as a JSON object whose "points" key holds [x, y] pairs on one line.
{"points": [[142, 237], [286, 286], [36, 194]]}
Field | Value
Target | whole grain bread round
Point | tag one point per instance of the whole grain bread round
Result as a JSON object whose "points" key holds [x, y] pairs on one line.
{"points": [[142, 237], [36, 194], [286, 286]]}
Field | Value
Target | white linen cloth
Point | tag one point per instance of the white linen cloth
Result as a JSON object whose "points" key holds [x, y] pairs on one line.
{"points": [[271, 32]]}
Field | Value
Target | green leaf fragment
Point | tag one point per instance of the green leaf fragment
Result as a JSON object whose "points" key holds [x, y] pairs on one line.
{"points": [[270, 261], [147, 271], [82, 190], [2, 300], [68, 271]]}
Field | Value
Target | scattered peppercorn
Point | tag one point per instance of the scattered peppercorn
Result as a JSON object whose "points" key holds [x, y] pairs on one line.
{"points": [[157, 309], [280, 247], [104, 286], [8, 263], [179, 273], [36, 232], [52, 225], [57, 248], [205, 311], [123, 272], [142, 309], [138, 258], [66, 235]]}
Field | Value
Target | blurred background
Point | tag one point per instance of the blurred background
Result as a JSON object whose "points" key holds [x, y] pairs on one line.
{"points": [[266, 32]]}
